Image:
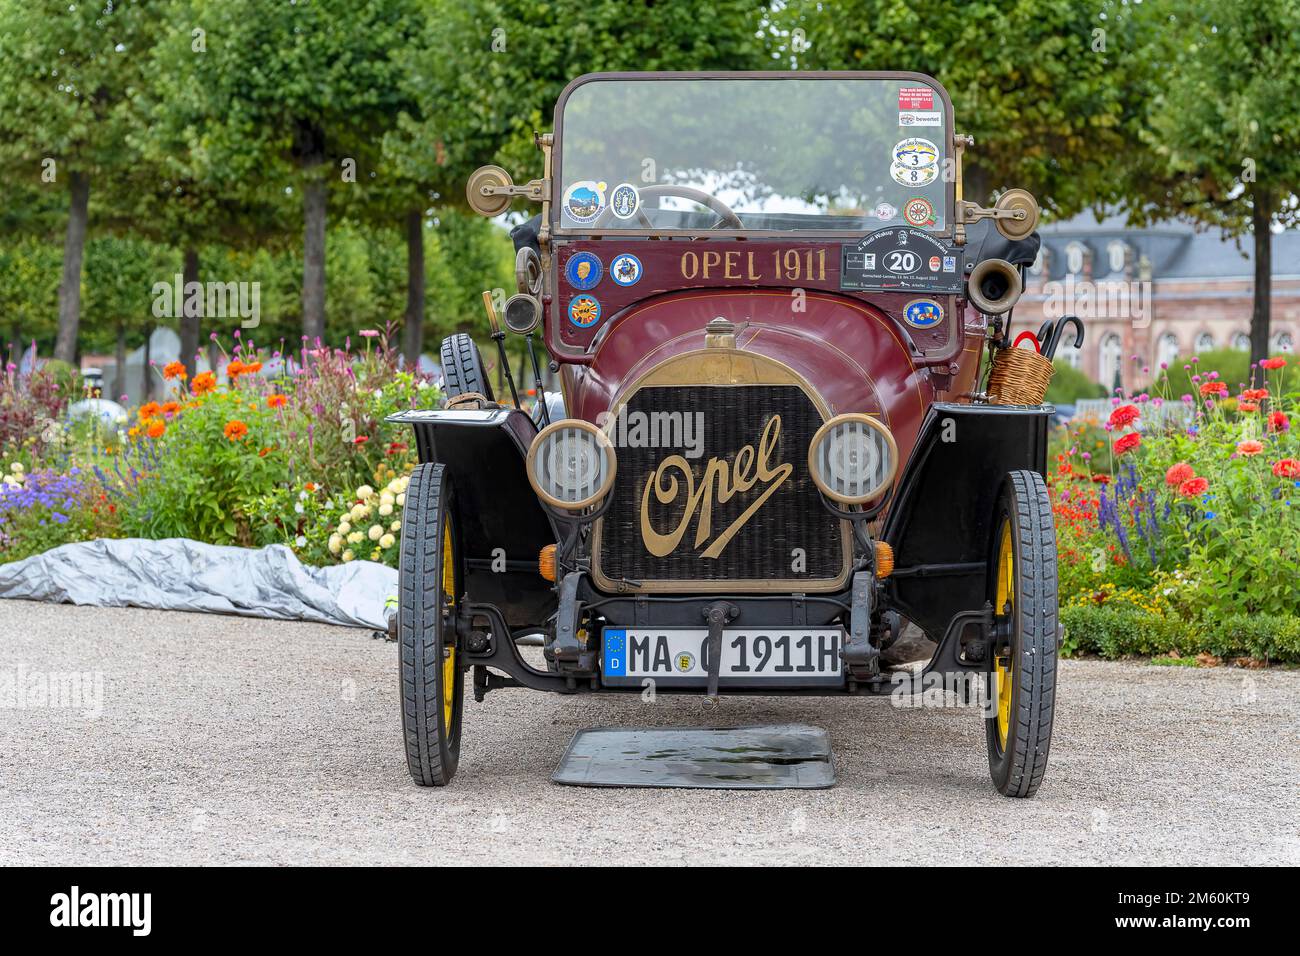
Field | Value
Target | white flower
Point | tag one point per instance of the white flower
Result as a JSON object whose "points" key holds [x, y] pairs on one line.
{"points": [[422, 386], [386, 541], [359, 512], [374, 532], [364, 492], [347, 555], [300, 541], [298, 508], [379, 393], [344, 527], [401, 500], [302, 496], [16, 468], [336, 543], [395, 526], [385, 497], [356, 537], [385, 510]]}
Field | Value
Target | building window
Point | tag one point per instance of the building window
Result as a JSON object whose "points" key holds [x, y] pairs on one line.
{"points": [[1117, 253], [1067, 353], [1111, 353], [1241, 342], [1204, 342], [1074, 257], [1167, 349], [1282, 342]]}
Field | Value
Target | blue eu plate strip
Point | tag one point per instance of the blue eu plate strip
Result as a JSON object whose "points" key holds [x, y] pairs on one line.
{"points": [[615, 652]]}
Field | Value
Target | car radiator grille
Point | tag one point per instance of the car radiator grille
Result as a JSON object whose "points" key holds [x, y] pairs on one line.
{"points": [[786, 540]]}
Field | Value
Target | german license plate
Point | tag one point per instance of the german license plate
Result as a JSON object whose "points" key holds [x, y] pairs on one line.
{"points": [[754, 657]]}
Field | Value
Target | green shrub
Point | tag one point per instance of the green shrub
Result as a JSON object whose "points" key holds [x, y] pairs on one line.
{"points": [[1069, 385], [1117, 630]]}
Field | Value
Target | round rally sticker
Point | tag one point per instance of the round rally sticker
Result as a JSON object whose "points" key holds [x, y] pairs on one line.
{"points": [[583, 270], [584, 311], [624, 201], [625, 269], [923, 313], [919, 212], [584, 201]]}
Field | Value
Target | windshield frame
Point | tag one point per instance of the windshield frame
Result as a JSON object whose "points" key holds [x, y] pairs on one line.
{"points": [[557, 153]]}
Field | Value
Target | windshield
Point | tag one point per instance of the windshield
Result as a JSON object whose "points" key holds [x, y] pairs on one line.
{"points": [[763, 154]]}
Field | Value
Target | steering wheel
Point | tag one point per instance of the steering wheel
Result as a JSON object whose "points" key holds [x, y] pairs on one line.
{"points": [[725, 212]]}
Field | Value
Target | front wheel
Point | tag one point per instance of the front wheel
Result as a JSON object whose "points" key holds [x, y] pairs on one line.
{"points": [[429, 579], [1022, 669]]}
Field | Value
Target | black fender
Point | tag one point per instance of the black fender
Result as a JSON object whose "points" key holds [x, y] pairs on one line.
{"points": [[941, 520], [484, 451]]}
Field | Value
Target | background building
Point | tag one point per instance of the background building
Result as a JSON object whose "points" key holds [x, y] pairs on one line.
{"points": [[1158, 293]]}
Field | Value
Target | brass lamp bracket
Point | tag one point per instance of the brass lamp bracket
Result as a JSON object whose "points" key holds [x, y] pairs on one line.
{"points": [[1015, 214], [490, 190]]}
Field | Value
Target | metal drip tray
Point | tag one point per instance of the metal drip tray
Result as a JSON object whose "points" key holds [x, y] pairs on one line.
{"points": [[768, 757]]}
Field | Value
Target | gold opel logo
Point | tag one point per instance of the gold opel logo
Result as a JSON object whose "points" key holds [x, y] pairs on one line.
{"points": [[722, 479]]}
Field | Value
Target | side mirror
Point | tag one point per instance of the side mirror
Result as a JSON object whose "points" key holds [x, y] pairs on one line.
{"points": [[1014, 215], [490, 190]]}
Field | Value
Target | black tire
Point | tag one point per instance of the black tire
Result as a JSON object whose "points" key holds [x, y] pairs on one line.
{"points": [[462, 367], [1017, 766], [426, 633]]}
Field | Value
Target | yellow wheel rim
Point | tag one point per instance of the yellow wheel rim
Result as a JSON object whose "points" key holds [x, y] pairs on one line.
{"points": [[449, 648], [1005, 598]]}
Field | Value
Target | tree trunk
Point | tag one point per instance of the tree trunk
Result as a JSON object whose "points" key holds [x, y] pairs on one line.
{"points": [[74, 246], [189, 316], [1261, 218], [413, 332], [146, 373], [119, 371], [313, 260]]}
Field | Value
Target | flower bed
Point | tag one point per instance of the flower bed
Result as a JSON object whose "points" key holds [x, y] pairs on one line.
{"points": [[1190, 542], [282, 448]]}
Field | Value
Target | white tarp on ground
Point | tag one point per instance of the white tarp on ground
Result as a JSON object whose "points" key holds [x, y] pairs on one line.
{"points": [[177, 574]]}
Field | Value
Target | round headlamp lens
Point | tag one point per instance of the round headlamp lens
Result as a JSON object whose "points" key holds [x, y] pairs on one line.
{"points": [[571, 464], [853, 458]]}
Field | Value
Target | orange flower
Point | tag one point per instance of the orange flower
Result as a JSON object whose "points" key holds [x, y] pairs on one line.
{"points": [[1247, 407], [1250, 447], [133, 432], [149, 410], [1193, 487], [155, 428], [235, 368], [235, 430], [1272, 363], [203, 383], [252, 368], [276, 401], [171, 408], [1179, 473], [174, 370], [1287, 468], [310, 486], [1127, 442], [1214, 388], [262, 453], [1255, 394]]}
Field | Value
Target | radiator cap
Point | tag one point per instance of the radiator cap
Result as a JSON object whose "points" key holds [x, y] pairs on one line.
{"points": [[719, 334]]}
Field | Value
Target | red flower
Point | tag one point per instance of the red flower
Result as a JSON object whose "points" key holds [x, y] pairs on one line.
{"points": [[1124, 415], [1127, 442], [1193, 487], [1272, 363], [1278, 422], [1250, 447], [1214, 388], [1101, 479], [1255, 394], [361, 439], [1287, 468], [1179, 473]]}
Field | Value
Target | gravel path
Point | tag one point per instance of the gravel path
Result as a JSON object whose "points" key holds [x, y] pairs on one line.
{"points": [[226, 740]]}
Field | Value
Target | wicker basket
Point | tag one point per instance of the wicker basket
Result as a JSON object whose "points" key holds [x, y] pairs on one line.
{"points": [[1019, 377]]}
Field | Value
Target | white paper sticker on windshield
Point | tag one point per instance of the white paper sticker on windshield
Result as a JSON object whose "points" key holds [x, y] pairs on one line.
{"points": [[920, 118], [624, 200], [584, 201]]}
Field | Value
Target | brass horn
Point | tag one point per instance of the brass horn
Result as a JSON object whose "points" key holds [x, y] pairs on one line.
{"points": [[994, 286]]}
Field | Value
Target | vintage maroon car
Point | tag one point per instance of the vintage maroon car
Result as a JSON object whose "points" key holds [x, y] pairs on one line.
{"points": [[768, 305]]}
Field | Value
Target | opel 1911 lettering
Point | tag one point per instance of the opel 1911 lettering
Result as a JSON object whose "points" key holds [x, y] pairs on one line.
{"points": [[790, 421]]}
